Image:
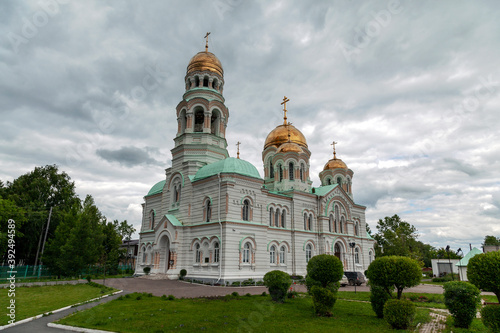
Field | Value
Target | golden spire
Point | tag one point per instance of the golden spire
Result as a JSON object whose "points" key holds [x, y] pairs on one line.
{"points": [[285, 99], [334, 154], [206, 45], [289, 131], [238, 154]]}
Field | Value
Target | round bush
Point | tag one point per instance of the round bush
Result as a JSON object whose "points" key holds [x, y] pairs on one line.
{"points": [[323, 300], [394, 272], [183, 273], [490, 315], [483, 270], [399, 313], [147, 270], [324, 270], [378, 297], [461, 299], [277, 282]]}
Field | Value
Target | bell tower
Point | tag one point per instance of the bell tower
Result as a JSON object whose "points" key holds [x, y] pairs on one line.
{"points": [[201, 115]]}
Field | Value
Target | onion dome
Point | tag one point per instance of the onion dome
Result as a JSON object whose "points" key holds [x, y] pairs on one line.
{"points": [[335, 163], [290, 147], [157, 188], [228, 165], [279, 135], [205, 61]]}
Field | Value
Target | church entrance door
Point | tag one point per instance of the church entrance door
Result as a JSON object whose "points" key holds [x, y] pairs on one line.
{"points": [[164, 254]]}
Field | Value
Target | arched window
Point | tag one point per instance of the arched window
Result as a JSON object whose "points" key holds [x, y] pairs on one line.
{"points": [[197, 257], [338, 251], [290, 171], [308, 252], [280, 169], [182, 121], [356, 228], [246, 210], [271, 215], [330, 223], [309, 222], [271, 169], [199, 120], [216, 252], [356, 255], [196, 81], [205, 81], [347, 185], [329, 181], [152, 219], [302, 171], [277, 218], [144, 256], [246, 253], [370, 257], [215, 122], [305, 221], [208, 211], [339, 180], [283, 218], [337, 217], [214, 84], [282, 254], [272, 255], [341, 224], [188, 84]]}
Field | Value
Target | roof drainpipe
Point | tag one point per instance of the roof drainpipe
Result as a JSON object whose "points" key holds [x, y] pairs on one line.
{"points": [[220, 226]]}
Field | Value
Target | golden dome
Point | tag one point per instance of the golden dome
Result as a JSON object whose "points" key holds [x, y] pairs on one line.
{"points": [[289, 147], [279, 135], [335, 163], [205, 61]]}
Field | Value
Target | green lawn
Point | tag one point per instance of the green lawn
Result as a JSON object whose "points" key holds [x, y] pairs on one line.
{"points": [[32, 301], [243, 314], [420, 300]]}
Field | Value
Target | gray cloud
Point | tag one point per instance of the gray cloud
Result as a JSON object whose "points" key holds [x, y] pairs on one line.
{"points": [[128, 156]]}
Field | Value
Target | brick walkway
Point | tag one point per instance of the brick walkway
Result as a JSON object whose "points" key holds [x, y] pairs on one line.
{"points": [[436, 325]]}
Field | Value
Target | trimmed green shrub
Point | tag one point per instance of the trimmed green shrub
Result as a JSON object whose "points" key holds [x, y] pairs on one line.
{"points": [[171, 297], [399, 313], [394, 272], [89, 278], [490, 315], [461, 299], [235, 294], [277, 282], [483, 270], [378, 297], [324, 270], [323, 300], [146, 270], [182, 274]]}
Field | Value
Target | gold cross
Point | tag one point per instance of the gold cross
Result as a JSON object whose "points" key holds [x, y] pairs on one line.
{"points": [[206, 45], [285, 99], [238, 144], [334, 154]]}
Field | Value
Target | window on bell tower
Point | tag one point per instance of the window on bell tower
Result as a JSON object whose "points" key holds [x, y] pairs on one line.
{"points": [[290, 171], [199, 118]]}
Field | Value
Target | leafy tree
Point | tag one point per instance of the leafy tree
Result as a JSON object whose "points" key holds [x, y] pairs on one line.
{"points": [[461, 299], [395, 237], [78, 240], [35, 192], [483, 270], [394, 272], [491, 240], [125, 231], [278, 283], [9, 210], [324, 272], [368, 230], [110, 254]]}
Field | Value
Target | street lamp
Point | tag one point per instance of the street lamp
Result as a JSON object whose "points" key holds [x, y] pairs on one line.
{"points": [[352, 244], [451, 267], [459, 267]]}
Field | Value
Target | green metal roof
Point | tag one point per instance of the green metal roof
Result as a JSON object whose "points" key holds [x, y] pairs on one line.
{"points": [[157, 188], [228, 165], [174, 220], [368, 235], [322, 190], [465, 260]]}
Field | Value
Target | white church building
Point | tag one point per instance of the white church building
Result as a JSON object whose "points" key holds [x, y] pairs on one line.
{"points": [[216, 217]]}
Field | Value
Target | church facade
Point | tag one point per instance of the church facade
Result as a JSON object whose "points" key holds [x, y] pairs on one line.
{"points": [[217, 218]]}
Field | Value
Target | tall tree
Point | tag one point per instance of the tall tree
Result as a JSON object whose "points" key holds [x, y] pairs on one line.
{"points": [[9, 210], [395, 237], [491, 240], [78, 240], [125, 230], [36, 192]]}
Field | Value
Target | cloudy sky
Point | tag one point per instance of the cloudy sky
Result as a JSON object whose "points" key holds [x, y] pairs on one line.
{"points": [[409, 90]]}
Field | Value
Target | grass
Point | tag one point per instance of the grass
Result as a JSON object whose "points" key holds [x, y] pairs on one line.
{"points": [[32, 301], [420, 300], [477, 326], [146, 313]]}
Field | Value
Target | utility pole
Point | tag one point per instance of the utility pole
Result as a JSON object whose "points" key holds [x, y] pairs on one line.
{"points": [[43, 245]]}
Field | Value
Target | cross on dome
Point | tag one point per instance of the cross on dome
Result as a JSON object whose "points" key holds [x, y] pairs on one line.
{"points": [[285, 99], [206, 45], [238, 153], [334, 154]]}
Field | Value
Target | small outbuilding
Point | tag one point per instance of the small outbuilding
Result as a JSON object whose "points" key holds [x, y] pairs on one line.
{"points": [[442, 267], [462, 264]]}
